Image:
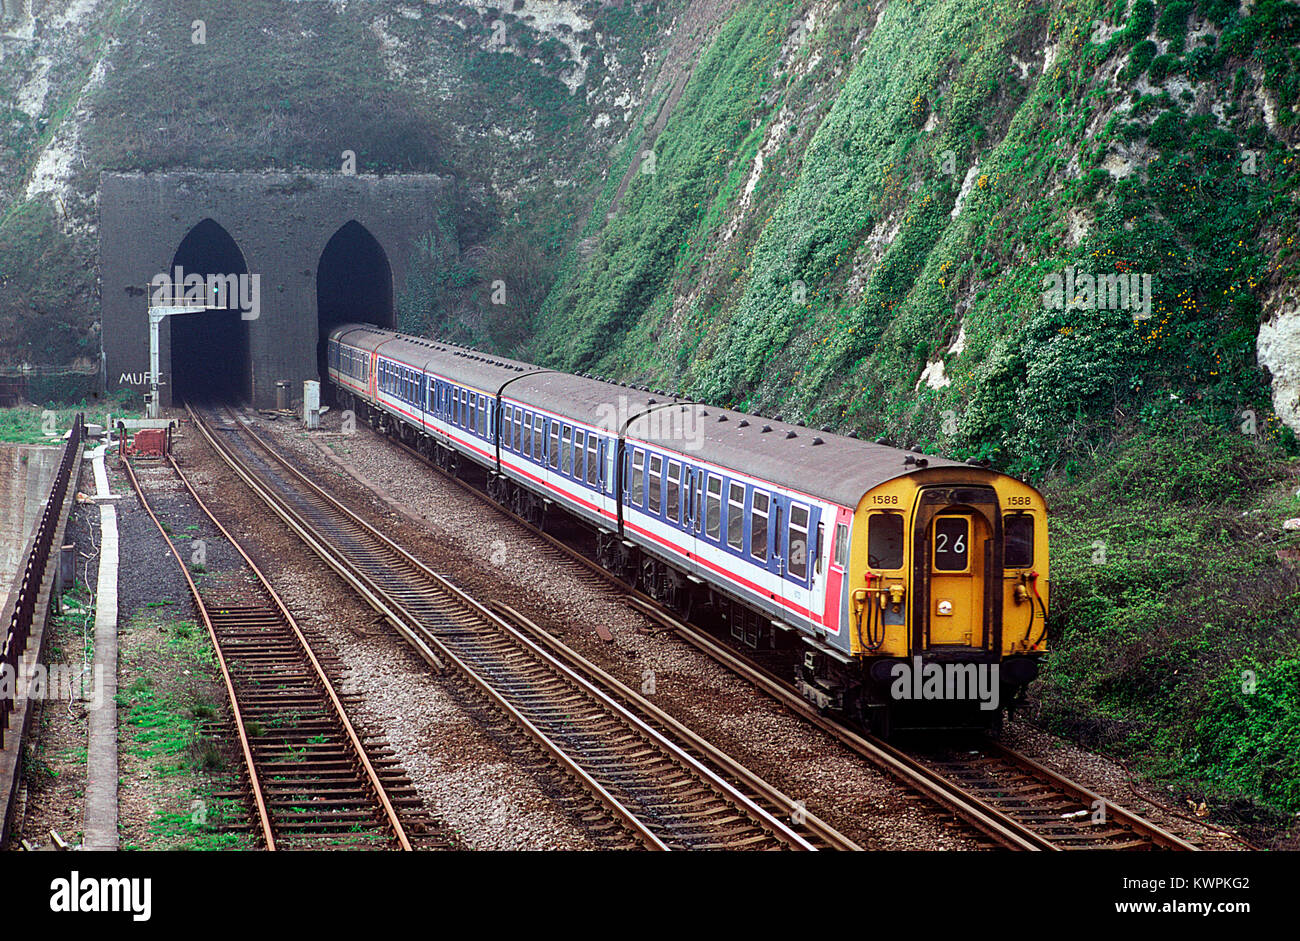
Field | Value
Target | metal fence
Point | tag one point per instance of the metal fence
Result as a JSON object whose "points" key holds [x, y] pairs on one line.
{"points": [[20, 624]]}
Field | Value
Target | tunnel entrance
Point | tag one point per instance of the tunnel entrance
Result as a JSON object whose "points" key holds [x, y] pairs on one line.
{"points": [[210, 359], [354, 284]]}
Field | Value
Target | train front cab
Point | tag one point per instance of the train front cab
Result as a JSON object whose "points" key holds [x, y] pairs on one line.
{"points": [[947, 597]]}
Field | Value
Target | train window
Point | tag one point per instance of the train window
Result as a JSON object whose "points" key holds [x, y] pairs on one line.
{"points": [[463, 419], [538, 439], [736, 516], [713, 508], [579, 449], [528, 437], [656, 483], [841, 544], [1018, 541], [885, 541], [519, 430], [638, 477], [951, 543], [555, 444], [593, 459], [482, 415], [758, 526], [674, 490], [566, 450], [797, 542]]}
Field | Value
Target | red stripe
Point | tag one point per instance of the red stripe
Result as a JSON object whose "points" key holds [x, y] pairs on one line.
{"points": [[558, 492], [730, 576], [752, 586]]}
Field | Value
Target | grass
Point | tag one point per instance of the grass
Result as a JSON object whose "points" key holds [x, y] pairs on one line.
{"points": [[162, 712], [33, 425]]}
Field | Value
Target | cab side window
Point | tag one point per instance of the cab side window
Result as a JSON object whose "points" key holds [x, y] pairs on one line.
{"points": [[885, 541], [1018, 541]]}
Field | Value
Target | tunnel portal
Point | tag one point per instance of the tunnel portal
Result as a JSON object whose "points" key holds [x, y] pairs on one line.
{"points": [[210, 359], [354, 284], [323, 248]]}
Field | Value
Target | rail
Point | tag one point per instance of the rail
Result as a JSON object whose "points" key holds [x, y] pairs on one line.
{"points": [[33, 578]]}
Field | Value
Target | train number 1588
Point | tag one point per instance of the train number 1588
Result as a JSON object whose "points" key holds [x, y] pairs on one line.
{"points": [[1019, 501], [885, 498]]}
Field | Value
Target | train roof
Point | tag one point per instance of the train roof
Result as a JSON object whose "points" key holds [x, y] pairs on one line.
{"points": [[482, 370], [607, 405], [821, 464]]}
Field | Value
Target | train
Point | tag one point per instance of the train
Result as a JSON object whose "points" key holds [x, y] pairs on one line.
{"points": [[900, 590]]}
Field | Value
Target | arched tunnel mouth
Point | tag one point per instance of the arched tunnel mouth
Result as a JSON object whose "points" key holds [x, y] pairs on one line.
{"points": [[211, 361], [354, 284]]}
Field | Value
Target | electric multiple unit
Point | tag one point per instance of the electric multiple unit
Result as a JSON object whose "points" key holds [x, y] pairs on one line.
{"points": [[910, 590]]}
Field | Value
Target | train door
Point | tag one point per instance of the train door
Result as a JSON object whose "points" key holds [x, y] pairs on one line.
{"points": [[799, 562], [957, 537], [767, 547], [956, 585]]}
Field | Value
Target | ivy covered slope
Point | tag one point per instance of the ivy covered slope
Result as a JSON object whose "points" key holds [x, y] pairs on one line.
{"points": [[851, 218]]}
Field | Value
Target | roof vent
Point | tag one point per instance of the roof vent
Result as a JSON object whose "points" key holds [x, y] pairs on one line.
{"points": [[790, 434], [653, 402], [766, 429], [722, 418], [703, 413], [777, 417], [817, 441], [853, 434], [826, 427], [744, 423]]}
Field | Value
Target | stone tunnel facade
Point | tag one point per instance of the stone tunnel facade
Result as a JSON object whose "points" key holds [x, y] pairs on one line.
{"points": [[320, 245]]}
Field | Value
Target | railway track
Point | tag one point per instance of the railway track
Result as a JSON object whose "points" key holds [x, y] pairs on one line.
{"points": [[664, 787], [314, 783], [1007, 798]]}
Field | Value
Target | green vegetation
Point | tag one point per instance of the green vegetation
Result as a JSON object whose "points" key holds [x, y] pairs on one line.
{"points": [[163, 713], [28, 425], [1167, 587]]}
